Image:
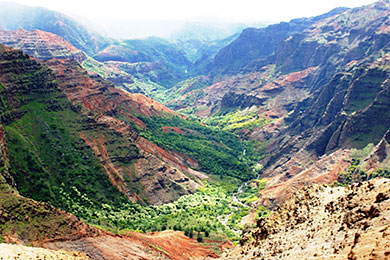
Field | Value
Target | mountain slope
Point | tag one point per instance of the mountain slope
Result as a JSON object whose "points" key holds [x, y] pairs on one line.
{"points": [[45, 46], [346, 112], [90, 123], [254, 44], [156, 63], [320, 93], [14, 16], [28, 222], [109, 157], [41, 45], [152, 61], [325, 223]]}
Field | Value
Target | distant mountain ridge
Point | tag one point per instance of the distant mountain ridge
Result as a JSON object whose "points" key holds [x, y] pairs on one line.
{"points": [[15, 16], [255, 44]]}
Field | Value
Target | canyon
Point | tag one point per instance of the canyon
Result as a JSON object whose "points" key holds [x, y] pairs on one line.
{"points": [[115, 149]]}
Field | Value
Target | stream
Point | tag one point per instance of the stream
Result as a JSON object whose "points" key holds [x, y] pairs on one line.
{"points": [[224, 220]]}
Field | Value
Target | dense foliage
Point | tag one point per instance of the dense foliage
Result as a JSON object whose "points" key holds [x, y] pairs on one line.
{"points": [[48, 156], [46, 152], [234, 121], [199, 212], [51, 160], [218, 152]]}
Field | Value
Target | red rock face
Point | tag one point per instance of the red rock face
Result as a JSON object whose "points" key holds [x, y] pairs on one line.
{"points": [[294, 175], [109, 107], [41, 45], [170, 129], [257, 89]]}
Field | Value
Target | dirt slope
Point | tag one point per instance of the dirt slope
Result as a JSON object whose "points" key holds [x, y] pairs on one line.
{"points": [[13, 252], [325, 223], [154, 246]]}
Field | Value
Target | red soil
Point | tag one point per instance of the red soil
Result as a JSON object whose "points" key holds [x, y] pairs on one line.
{"points": [[177, 130]]}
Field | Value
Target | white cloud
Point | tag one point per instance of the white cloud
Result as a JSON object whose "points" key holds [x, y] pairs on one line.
{"points": [[136, 13]]}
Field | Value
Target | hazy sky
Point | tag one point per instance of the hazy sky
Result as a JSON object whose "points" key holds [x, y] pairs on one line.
{"points": [[146, 16]]}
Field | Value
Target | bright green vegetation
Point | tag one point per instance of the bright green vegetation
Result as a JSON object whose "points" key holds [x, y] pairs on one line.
{"points": [[150, 88], [98, 67], [251, 190], [362, 153], [218, 152], [47, 154], [262, 212], [51, 161], [192, 214], [249, 194], [193, 85], [356, 173], [25, 218], [238, 120]]}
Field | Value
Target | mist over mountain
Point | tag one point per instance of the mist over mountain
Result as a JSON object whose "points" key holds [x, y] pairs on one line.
{"points": [[220, 140]]}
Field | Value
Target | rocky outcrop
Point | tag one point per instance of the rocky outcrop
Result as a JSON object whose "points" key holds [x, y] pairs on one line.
{"points": [[324, 223], [14, 252], [346, 99], [41, 45], [270, 95], [346, 113]]}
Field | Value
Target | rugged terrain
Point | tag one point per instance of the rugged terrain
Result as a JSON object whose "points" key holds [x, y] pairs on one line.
{"points": [[294, 104], [309, 95], [13, 252], [97, 108], [348, 112], [322, 222], [28, 222]]}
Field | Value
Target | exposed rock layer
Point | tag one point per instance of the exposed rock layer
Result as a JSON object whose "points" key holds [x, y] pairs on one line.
{"points": [[324, 223]]}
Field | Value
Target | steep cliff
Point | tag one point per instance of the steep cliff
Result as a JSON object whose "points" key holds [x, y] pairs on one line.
{"points": [[256, 45], [348, 112]]}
